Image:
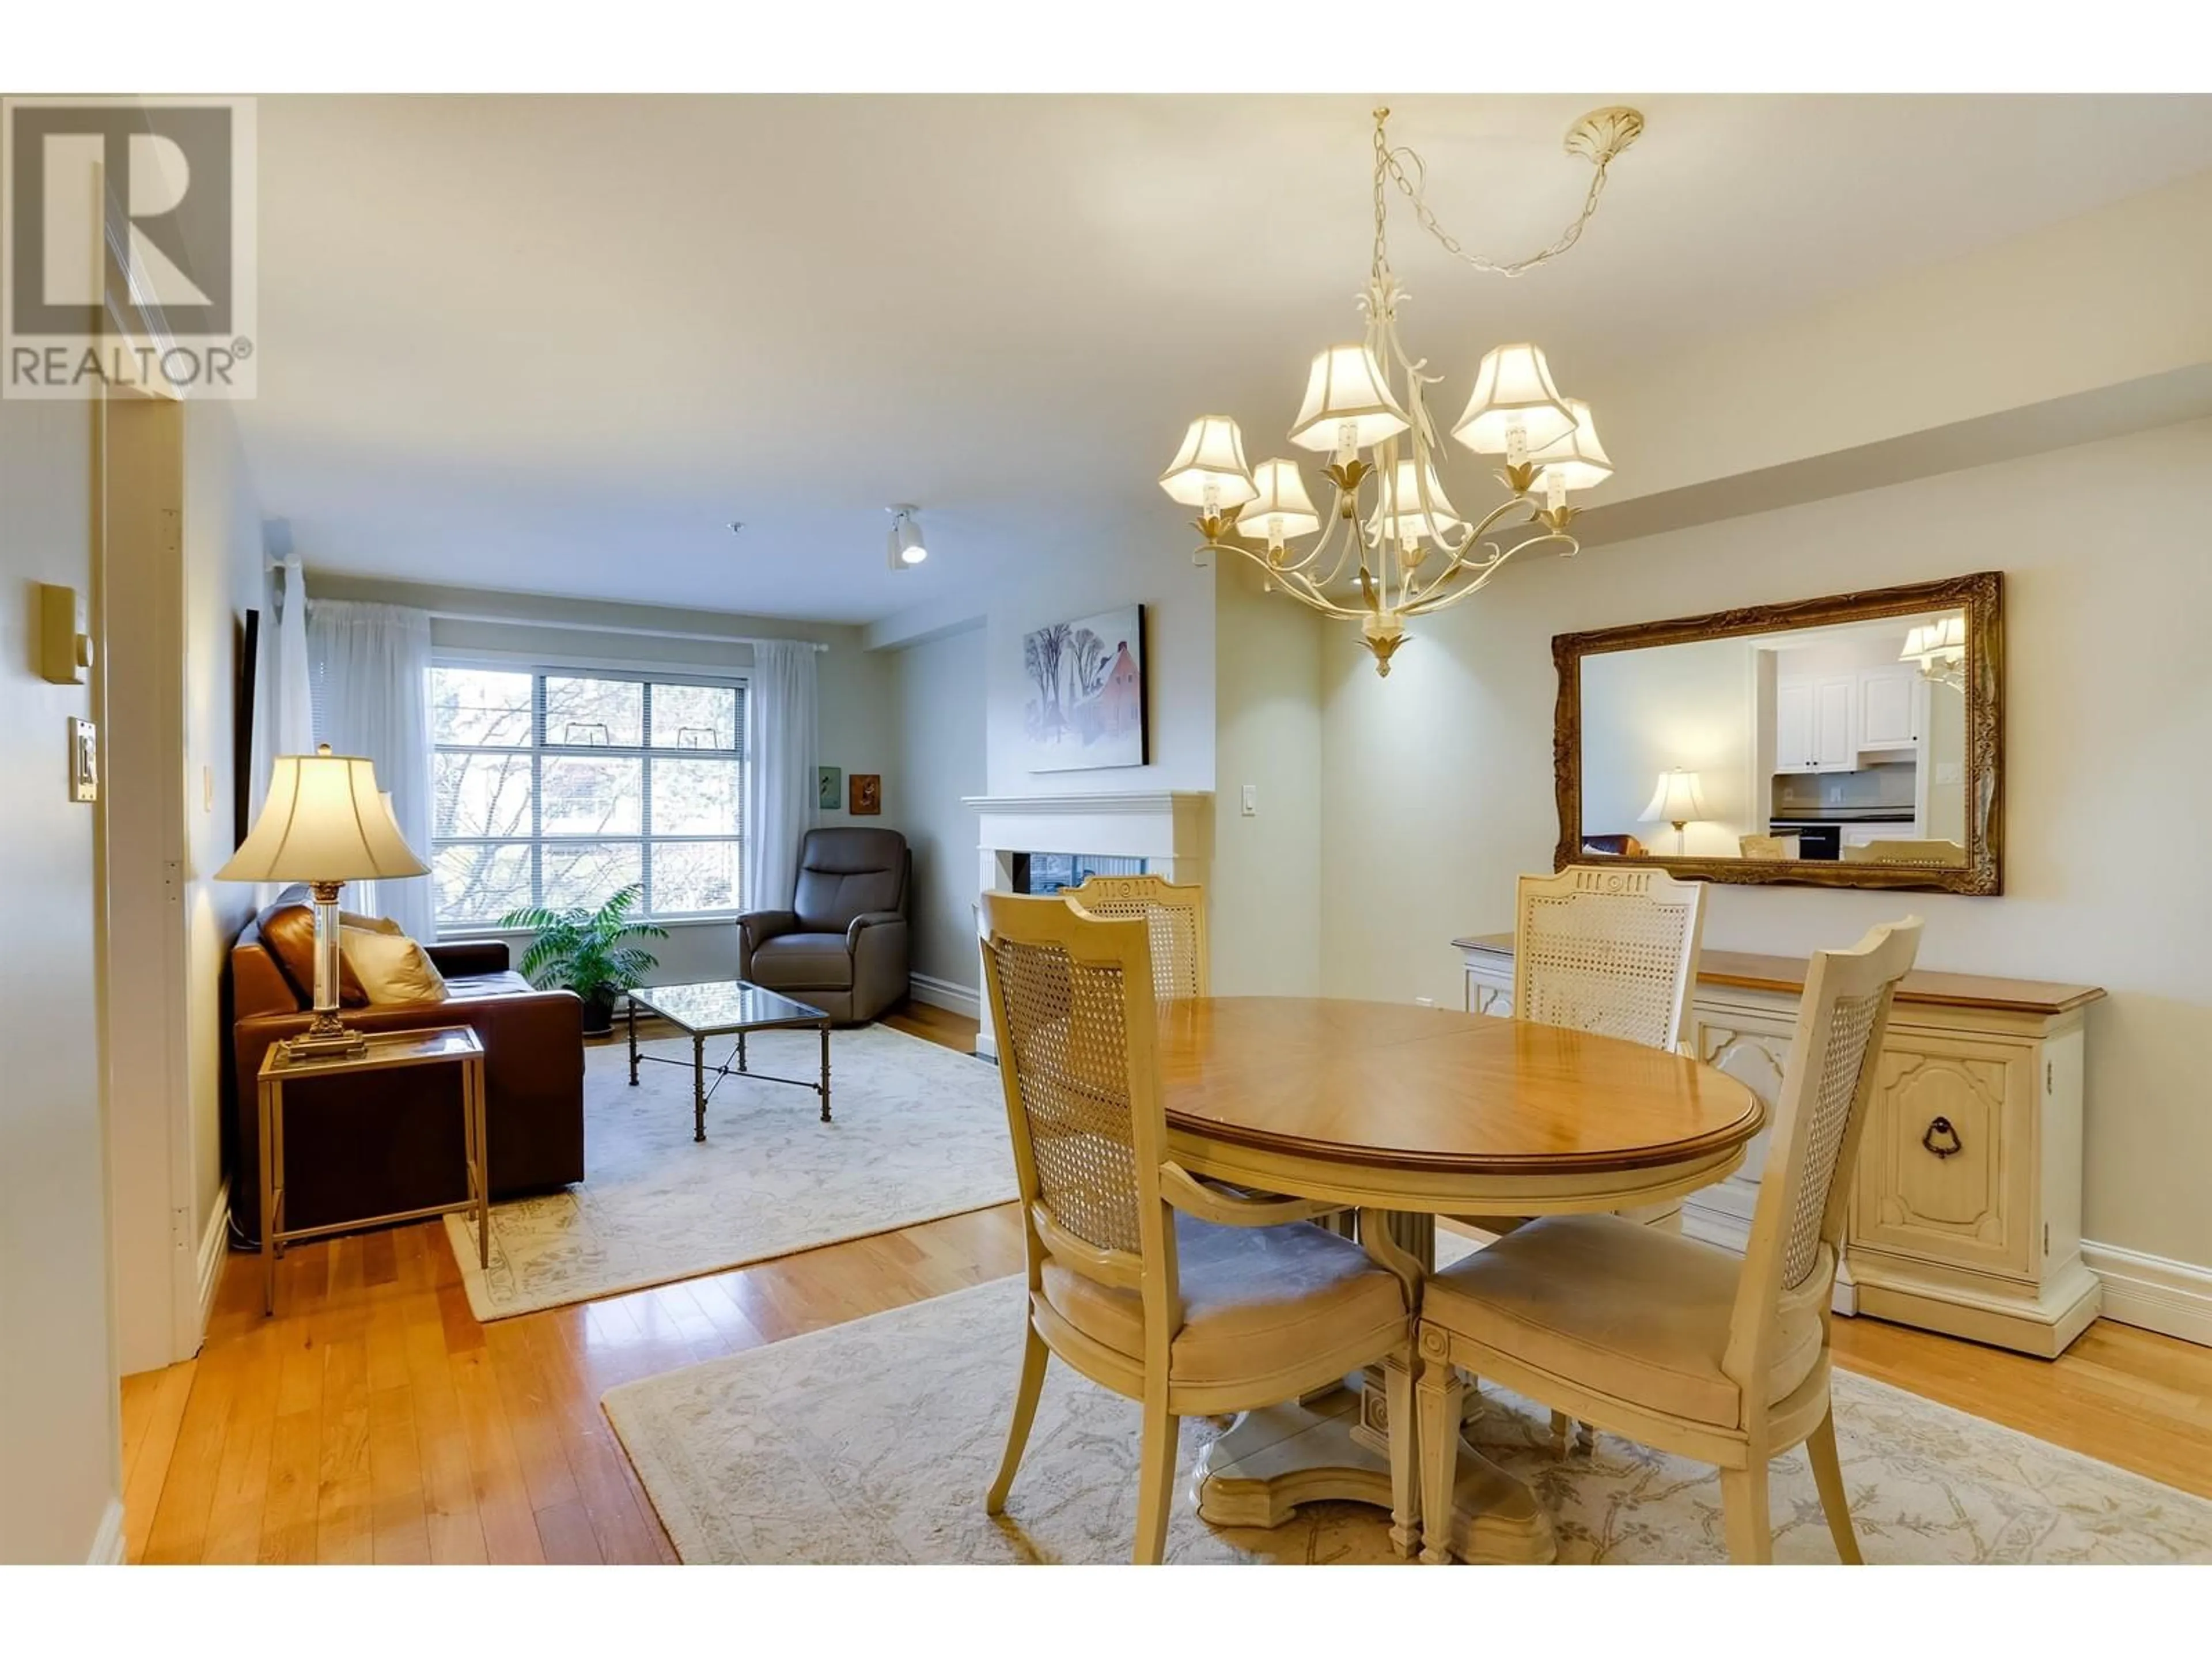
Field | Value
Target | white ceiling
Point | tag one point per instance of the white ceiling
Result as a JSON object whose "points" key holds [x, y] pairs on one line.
{"points": [[554, 345]]}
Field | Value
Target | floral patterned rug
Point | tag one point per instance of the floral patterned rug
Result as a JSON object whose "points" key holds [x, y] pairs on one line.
{"points": [[873, 1441], [917, 1131]]}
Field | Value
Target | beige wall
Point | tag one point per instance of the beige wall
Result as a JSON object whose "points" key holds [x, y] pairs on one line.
{"points": [[225, 576], [1264, 916], [1439, 779], [938, 691], [60, 1465]]}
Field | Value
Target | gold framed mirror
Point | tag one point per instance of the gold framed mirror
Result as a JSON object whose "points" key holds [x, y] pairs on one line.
{"points": [[1852, 741]]}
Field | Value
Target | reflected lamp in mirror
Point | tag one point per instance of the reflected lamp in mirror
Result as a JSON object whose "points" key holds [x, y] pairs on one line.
{"points": [[1679, 799], [1939, 649], [324, 822]]}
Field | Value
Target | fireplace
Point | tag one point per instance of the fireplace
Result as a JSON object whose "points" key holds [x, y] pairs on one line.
{"points": [[1049, 873], [1166, 833]]}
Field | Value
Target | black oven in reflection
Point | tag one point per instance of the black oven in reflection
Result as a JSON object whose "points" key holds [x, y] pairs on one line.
{"points": [[1815, 840]]}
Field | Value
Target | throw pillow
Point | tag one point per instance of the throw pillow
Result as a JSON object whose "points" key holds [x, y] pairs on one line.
{"points": [[289, 933], [391, 967], [373, 924]]}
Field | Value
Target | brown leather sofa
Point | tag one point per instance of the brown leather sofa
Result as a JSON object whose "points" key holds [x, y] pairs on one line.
{"points": [[842, 945], [392, 1140]]}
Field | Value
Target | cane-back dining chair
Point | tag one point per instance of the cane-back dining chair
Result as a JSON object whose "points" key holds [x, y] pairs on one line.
{"points": [[1673, 1342], [1150, 1283], [1174, 915], [1614, 951]]}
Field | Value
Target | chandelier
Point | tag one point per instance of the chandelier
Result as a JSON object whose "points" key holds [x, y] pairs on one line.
{"points": [[1940, 648], [1399, 549]]}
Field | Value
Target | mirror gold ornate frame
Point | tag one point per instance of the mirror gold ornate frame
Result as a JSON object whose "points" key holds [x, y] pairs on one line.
{"points": [[1981, 596]]}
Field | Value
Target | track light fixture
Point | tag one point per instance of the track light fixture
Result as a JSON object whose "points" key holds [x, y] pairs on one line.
{"points": [[905, 544]]}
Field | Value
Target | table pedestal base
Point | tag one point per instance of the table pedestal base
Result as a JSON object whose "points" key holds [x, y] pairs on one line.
{"points": [[1274, 1460]]}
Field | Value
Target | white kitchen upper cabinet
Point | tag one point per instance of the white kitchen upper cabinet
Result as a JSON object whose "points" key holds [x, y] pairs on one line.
{"points": [[1833, 750], [1889, 708], [1812, 724], [1794, 741]]}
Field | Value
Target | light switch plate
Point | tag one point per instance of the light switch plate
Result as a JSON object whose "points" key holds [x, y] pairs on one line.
{"points": [[84, 760], [1251, 798]]}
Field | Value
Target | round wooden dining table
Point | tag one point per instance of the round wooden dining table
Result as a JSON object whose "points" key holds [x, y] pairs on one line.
{"points": [[1406, 1114]]}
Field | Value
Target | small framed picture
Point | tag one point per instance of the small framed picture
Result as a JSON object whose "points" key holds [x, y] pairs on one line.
{"points": [[867, 795], [831, 787]]}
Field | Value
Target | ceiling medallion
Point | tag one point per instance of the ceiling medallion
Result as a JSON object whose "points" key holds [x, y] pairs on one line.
{"points": [[1402, 550]]}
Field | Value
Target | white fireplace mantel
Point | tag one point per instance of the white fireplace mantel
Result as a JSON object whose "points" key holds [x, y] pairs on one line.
{"points": [[1171, 829]]}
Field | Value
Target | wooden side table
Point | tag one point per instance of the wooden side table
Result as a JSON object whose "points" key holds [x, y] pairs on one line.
{"points": [[444, 1045]]}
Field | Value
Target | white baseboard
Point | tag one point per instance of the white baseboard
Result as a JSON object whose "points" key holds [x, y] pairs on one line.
{"points": [[944, 993], [2173, 1298], [107, 1542], [214, 1250]]}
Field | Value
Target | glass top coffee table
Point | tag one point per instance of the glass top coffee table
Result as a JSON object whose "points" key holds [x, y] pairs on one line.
{"points": [[723, 1007]]}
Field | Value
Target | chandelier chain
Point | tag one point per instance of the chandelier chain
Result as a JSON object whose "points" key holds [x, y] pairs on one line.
{"points": [[1404, 167]]}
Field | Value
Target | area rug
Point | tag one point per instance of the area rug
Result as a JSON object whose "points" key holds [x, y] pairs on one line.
{"points": [[918, 1130], [873, 1442]]}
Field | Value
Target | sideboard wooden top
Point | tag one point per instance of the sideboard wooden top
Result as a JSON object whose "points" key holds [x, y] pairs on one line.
{"points": [[1750, 972]]}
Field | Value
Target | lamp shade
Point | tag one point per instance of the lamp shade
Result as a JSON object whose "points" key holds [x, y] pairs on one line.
{"points": [[1929, 642], [1346, 387], [1577, 459], [1679, 799], [1400, 510], [1212, 456], [1514, 385], [323, 821], [1282, 506]]}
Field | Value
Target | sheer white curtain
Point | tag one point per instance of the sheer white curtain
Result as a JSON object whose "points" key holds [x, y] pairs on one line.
{"points": [[781, 711], [284, 701], [372, 676]]}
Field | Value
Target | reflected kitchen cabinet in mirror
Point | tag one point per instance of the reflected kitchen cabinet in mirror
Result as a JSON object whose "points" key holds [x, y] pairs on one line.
{"points": [[1850, 741]]}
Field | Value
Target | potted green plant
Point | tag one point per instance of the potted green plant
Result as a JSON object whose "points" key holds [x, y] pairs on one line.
{"points": [[586, 951]]}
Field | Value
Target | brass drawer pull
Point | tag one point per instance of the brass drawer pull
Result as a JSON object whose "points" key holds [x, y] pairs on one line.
{"points": [[1942, 1126]]}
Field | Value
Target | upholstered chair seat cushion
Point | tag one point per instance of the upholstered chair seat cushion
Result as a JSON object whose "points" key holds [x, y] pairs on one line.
{"points": [[805, 961], [1255, 1300], [1626, 1309]]}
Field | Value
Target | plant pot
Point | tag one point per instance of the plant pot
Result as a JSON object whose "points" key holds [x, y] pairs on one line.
{"points": [[599, 1012]]}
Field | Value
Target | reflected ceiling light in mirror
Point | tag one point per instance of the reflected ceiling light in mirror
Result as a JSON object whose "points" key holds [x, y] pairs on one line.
{"points": [[1940, 648]]}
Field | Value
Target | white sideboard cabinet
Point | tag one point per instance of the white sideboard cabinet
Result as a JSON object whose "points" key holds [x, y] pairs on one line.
{"points": [[1966, 1212]]}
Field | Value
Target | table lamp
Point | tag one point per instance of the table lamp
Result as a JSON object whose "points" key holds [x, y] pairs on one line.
{"points": [[1680, 798], [324, 823]]}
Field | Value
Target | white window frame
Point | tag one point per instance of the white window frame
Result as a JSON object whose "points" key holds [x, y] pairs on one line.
{"points": [[540, 668]]}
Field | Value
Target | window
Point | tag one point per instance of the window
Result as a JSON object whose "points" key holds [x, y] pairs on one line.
{"points": [[557, 786]]}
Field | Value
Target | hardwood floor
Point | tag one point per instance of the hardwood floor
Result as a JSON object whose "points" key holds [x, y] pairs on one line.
{"points": [[374, 1421]]}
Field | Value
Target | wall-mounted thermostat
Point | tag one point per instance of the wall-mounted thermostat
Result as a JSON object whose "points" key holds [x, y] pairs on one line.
{"points": [[84, 760], [64, 648]]}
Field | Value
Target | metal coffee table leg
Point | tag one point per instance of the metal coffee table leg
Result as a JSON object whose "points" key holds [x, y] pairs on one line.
{"points": [[698, 1088], [632, 1041], [825, 1071]]}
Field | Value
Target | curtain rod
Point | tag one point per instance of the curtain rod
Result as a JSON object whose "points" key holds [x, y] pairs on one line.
{"points": [[615, 628], [597, 627]]}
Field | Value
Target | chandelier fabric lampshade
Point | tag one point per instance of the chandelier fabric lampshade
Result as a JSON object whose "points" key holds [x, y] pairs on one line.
{"points": [[1680, 798], [1209, 469], [1577, 459], [1282, 509], [1400, 512], [1347, 397], [1930, 642], [1513, 389], [324, 821]]}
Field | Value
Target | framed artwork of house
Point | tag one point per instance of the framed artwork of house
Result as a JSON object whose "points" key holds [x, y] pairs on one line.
{"points": [[1084, 692]]}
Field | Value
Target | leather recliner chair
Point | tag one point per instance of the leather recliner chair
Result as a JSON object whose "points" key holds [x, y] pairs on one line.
{"points": [[376, 1142], [842, 945]]}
